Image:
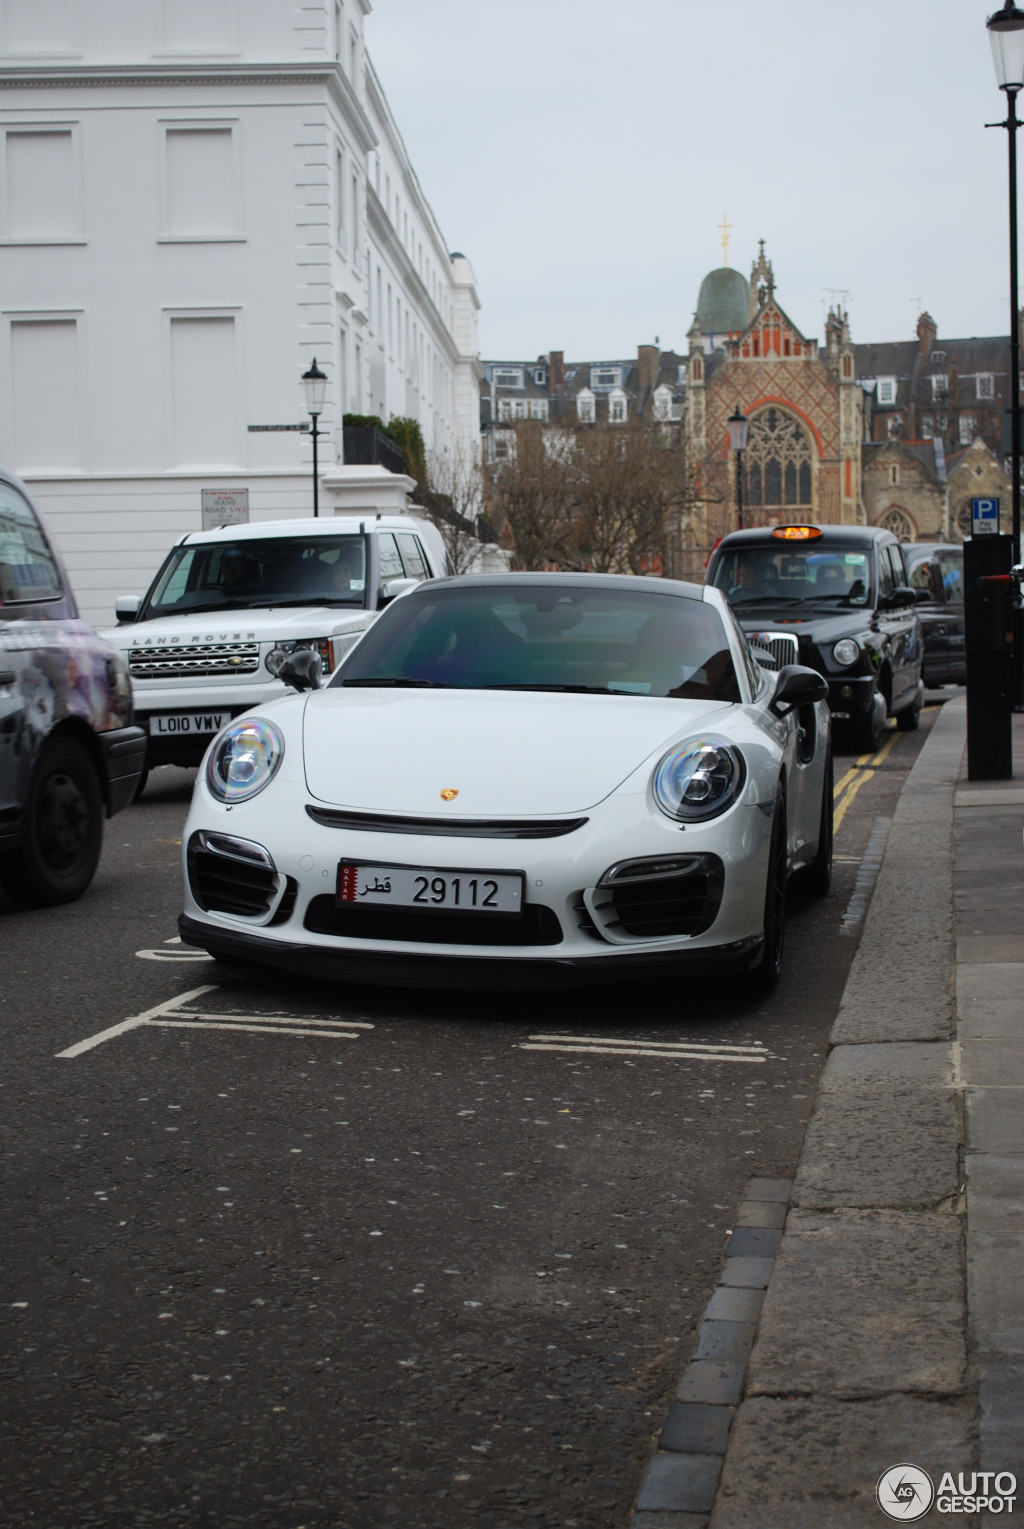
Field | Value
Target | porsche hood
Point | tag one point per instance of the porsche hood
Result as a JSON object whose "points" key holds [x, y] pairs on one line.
{"points": [[512, 754]]}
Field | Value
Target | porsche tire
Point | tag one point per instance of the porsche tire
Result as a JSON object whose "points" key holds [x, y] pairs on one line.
{"points": [[762, 979]]}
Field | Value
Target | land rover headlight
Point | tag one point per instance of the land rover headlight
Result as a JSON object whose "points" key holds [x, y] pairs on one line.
{"points": [[699, 779], [846, 652], [244, 758]]}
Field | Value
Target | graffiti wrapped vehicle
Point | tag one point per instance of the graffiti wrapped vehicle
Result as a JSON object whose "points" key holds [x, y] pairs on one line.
{"points": [[69, 752]]}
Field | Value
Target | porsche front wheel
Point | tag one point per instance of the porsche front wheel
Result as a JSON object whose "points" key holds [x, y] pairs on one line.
{"points": [[762, 979]]}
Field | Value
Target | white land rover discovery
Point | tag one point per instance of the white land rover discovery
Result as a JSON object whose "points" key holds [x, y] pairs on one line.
{"points": [[198, 641]]}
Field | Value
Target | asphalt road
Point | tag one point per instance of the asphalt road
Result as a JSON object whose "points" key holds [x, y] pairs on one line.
{"points": [[289, 1256]]}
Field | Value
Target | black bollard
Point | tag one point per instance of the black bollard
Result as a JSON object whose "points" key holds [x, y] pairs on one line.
{"points": [[988, 637]]}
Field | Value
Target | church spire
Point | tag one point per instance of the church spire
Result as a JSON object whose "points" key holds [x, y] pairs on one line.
{"points": [[762, 280]]}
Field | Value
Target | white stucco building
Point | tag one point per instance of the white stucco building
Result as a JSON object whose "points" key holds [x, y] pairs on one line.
{"points": [[198, 198]]}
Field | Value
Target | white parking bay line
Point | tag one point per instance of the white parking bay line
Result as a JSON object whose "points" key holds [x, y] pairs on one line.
{"points": [[172, 1014], [693, 1051]]}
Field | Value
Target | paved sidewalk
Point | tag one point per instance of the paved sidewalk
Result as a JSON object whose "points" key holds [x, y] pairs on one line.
{"points": [[892, 1326]]}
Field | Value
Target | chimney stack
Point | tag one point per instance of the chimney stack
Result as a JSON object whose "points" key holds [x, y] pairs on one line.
{"points": [[927, 333], [556, 366], [648, 364]]}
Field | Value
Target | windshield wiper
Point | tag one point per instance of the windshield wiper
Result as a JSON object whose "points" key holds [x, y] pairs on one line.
{"points": [[572, 689], [402, 683], [742, 598], [276, 604]]}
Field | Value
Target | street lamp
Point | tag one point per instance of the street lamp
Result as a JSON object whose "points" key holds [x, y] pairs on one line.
{"points": [[738, 424], [315, 383], [1006, 34]]}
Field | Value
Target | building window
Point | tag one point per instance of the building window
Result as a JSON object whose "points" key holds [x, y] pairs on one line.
{"points": [[339, 200], [986, 385], [504, 445], [894, 474], [507, 376], [847, 367], [538, 408], [504, 408], [778, 461], [886, 390], [605, 376], [43, 203], [899, 523], [518, 408], [585, 406], [967, 428], [617, 408], [203, 354], [937, 357], [540, 376], [46, 391], [201, 182], [940, 386], [663, 403]]}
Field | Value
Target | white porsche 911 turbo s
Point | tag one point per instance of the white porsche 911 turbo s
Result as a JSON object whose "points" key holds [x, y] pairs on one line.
{"points": [[518, 780]]}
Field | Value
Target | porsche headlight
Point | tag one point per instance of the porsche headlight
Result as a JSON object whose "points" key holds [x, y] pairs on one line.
{"points": [[699, 779], [244, 759], [846, 652]]}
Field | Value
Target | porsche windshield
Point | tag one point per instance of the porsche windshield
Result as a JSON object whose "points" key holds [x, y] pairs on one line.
{"points": [[784, 573], [238, 575], [558, 637]]}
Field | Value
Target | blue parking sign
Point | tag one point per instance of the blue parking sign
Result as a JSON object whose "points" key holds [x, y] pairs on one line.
{"points": [[984, 516]]}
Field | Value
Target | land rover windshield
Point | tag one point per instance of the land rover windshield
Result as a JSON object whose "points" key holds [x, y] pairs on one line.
{"points": [[244, 575]]}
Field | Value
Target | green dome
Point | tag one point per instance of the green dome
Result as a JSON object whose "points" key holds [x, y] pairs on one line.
{"points": [[724, 302]]}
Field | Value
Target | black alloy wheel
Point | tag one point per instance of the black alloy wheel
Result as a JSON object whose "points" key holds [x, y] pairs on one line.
{"points": [[764, 976], [909, 721], [867, 735], [57, 858]]}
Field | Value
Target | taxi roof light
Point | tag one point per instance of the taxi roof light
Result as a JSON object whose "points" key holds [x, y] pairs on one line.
{"points": [[797, 533]]}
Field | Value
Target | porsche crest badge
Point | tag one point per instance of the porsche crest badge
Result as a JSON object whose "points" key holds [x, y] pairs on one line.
{"points": [[448, 794]]}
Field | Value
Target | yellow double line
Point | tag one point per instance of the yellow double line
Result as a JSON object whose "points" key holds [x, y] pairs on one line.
{"points": [[847, 786]]}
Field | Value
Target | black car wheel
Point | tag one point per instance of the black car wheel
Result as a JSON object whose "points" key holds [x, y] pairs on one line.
{"points": [[762, 979], [57, 858], [867, 735], [910, 720], [819, 872]]}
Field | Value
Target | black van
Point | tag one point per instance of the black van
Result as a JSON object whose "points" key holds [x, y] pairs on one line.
{"points": [[69, 754]]}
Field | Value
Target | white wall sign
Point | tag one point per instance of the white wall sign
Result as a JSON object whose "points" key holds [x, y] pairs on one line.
{"points": [[225, 507]]}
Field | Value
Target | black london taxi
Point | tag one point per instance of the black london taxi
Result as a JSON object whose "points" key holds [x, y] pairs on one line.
{"points": [[937, 578], [836, 599], [69, 752]]}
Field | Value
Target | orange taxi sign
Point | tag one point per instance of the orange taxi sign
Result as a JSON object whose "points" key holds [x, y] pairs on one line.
{"points": [[797, 533]]}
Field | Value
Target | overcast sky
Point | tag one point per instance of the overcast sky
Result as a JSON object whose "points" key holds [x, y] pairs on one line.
{"points": [[582, 153]]}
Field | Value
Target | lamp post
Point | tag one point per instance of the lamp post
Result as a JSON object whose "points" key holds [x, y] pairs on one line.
{"points": [[315, 383], [1006, 34], [738, 424]]}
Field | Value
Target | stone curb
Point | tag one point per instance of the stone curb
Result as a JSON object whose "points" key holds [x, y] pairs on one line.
{"points": [[679, 1486]]}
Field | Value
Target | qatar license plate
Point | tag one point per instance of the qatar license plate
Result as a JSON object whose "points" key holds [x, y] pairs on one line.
{"points": [[167, 724], [413, 886]]}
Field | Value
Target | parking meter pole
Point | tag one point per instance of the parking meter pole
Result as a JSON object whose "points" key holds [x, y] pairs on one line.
{"points": [[1012, 123], [991, 660]]}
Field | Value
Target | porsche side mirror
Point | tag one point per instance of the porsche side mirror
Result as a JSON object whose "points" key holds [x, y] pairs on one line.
{"points": [[392, 588], [301, 669], [797, 686], [126, 608]]}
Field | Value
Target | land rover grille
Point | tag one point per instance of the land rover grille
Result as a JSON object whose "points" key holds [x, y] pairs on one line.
{"points": [[194, 660]]}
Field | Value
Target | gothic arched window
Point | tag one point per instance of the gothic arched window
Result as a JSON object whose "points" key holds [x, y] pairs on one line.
{"points": [[778, 462], [899, 523]]}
